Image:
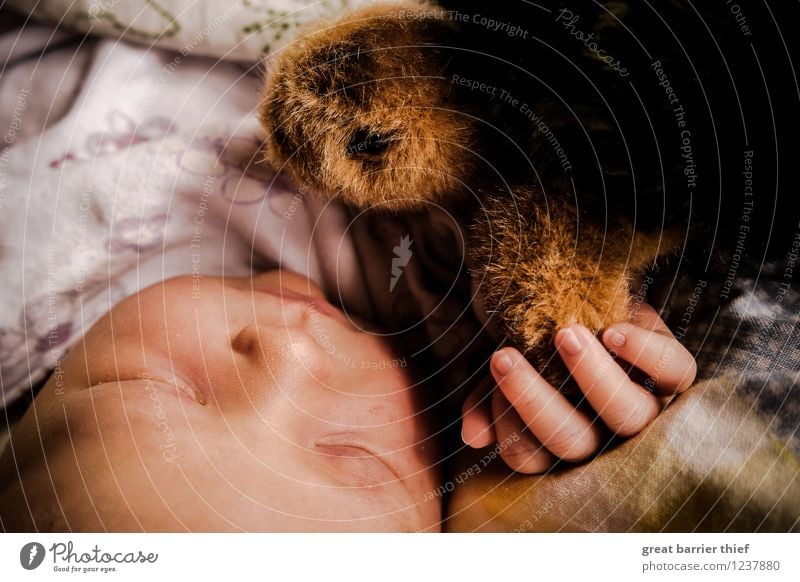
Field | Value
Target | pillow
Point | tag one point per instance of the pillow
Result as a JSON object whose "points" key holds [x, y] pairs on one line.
{"points": [[244, 30]]}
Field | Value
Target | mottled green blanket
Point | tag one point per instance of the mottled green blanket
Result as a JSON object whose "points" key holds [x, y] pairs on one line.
{"points": [[724, 456]]}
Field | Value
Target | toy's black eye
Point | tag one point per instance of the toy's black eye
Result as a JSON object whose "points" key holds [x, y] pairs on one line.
{"points": [[367, 143], [281, 138]]}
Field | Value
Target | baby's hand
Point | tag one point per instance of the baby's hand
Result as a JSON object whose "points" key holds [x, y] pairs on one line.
{"points": [[548, 426]]}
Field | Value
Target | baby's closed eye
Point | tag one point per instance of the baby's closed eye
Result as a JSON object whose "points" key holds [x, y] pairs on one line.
{"points": [[357, 466]]}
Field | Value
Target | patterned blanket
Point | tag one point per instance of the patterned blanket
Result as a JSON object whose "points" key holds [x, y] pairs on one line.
{"points": [[724, 456]]}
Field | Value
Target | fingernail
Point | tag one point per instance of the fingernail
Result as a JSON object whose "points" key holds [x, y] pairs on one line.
{"points": [[502, 363], [569, 342], [463, 438], [615, 338]]}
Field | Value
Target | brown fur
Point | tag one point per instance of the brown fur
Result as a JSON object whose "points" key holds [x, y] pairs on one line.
{"points": [[542, 267], [372, 71], [540, 262]]}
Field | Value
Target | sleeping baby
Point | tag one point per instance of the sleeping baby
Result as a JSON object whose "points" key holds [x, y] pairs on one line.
{"points": [[254, 404], [187, 392]]}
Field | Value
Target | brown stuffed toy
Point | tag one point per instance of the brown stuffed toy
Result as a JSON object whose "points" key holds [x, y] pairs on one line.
{"points": [[569, 149]]}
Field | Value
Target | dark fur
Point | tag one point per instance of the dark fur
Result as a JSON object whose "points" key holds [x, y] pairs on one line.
{"points": [[368, 109]]}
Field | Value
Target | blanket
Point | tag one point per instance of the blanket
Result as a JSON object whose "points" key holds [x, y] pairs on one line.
{"points": [[723, 457], [245, 30]]}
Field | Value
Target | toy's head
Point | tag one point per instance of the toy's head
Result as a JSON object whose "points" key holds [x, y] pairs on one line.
{"points": [[364, 109]]}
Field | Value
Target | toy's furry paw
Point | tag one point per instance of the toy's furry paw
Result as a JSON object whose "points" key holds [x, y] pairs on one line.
{"points": [[544, 267], [362, 108]]}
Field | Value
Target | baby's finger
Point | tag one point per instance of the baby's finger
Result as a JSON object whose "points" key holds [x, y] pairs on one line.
{"points": [[558, 425], [518, 448], [476, 416], [668, 364], [647, 317], [624, 406]]}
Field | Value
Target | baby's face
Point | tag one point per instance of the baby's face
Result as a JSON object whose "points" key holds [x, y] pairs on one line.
{"points": [[236, 404]]}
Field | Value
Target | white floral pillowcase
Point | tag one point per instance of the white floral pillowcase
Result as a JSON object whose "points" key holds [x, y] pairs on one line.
{"points": [[242, 30]]}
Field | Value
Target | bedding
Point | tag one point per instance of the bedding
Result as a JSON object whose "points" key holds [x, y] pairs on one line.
{"points": [[723, 457], [237, 30], [120, 168]]}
